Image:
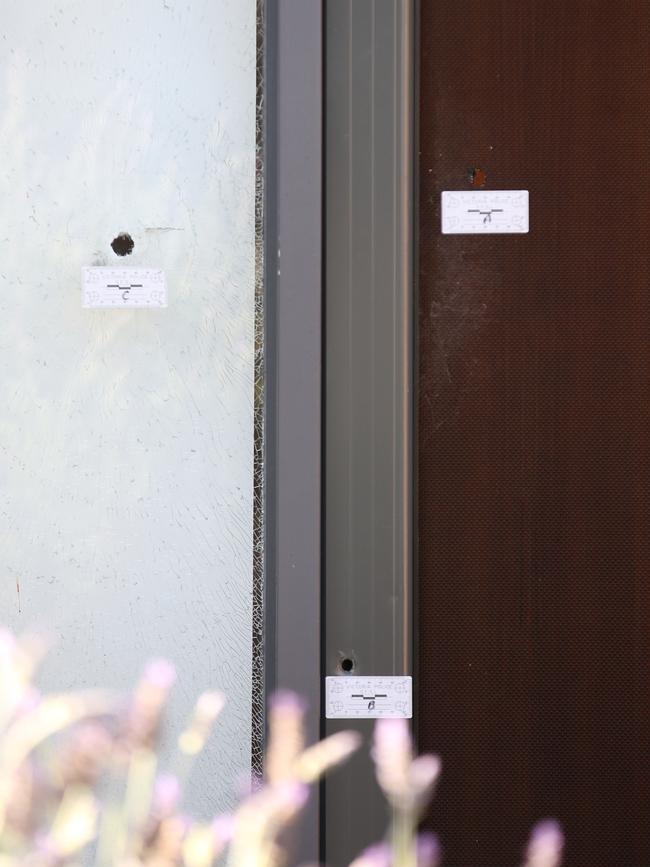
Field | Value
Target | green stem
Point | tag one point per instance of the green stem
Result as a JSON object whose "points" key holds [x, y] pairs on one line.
{"points": [[403, 843]]}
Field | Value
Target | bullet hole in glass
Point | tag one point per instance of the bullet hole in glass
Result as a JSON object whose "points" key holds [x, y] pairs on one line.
{"points": [[122, 245]]}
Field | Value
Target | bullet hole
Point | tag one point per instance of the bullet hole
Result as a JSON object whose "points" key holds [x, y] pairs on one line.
{"points": [[347, 664], [476, 177], [122, 245]]}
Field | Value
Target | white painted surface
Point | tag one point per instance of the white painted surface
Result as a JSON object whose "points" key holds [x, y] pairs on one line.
{"points": [[484, 212], [374, 697], [126, 436], [123, 287]]}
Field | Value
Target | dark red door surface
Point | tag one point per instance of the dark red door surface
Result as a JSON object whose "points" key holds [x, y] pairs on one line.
{"points": [[534, 429]]}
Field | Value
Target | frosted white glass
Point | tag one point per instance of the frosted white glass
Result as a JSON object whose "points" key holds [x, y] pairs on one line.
{"points": [[126, 436]]}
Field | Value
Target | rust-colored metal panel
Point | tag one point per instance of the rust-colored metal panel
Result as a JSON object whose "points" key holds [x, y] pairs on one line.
{"points": [[534, 429]]}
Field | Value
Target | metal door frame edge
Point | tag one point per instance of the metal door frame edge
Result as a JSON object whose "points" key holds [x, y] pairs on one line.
{"points": [[370, 198], [293, 361]]}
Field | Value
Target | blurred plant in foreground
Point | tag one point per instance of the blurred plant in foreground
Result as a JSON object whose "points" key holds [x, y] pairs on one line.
{"points": [[80, 781]]}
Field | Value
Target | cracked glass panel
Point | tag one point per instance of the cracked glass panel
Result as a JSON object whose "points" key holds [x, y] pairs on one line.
{"points": [[131, 454]]}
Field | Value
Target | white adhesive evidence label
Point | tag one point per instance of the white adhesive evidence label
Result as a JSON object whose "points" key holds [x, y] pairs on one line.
{"points": [[348, 697], [123, 287], [483, 212]]}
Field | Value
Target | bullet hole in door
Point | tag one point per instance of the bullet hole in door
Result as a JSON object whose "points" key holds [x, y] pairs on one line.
{"points": [[122, 245], [476, 177]]}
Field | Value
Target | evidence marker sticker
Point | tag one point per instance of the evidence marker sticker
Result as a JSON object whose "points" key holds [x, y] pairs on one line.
{"points": [[484, 212]]}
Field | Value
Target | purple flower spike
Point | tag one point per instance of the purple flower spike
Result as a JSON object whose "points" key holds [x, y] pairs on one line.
{"points": [[166, 795], [285, 700], [545, 845], [223, 828], [291, 795], [428, 849], [393, 736], [392, 753], [30, 701], [376, 856], [160, 674]]}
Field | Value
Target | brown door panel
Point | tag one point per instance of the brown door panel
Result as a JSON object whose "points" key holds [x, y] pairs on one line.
{"points": [[534, 429]]}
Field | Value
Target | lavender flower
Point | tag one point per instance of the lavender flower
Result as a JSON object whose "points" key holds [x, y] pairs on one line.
{"points": [[206, 711], [84, 756], [406, 782], [223, 828], [148, 702], [428, 850], [286, 735], [378, 855], [326, 754], [260, 820], [55, 751], [166, 795], [545, 845]]}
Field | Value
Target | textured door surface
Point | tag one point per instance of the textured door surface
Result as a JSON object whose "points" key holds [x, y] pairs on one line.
{"points": [[126, 435], [534, 429]]}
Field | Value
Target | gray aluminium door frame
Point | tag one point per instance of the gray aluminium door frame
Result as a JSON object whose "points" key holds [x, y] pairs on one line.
{"points": [[369, 302], [293, 37], [361, 258]]}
